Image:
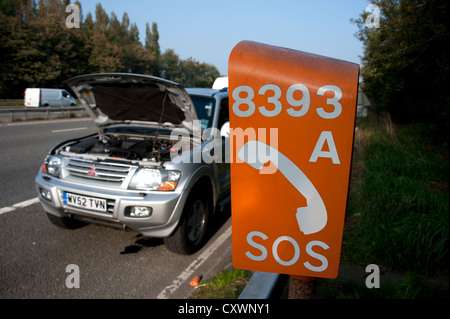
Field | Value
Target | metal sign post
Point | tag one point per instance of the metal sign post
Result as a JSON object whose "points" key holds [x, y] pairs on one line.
{"points": [[302, 287]]}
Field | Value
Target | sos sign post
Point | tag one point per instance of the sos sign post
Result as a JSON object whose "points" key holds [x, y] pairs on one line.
{"points": [[292, 119]]}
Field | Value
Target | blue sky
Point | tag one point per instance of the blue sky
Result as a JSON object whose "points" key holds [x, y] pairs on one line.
{"points": [[208, 30]]}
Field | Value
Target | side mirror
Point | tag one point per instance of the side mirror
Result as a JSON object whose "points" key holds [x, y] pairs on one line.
{"points": [[225, 130]]}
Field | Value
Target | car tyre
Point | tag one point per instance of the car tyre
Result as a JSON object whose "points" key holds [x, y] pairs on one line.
{"points": [[190, 234], [65, 222]]}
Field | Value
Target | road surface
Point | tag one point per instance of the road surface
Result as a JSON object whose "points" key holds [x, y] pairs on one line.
{"points": [[37, 258]]}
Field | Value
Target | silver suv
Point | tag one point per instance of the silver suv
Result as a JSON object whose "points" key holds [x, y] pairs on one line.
{"points": [[157, 165]]}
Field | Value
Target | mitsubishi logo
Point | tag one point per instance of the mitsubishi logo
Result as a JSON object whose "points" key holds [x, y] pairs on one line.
{"points": [[92, 171]]}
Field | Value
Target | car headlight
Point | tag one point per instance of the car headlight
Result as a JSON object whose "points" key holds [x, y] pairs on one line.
{"points": [[155, 179], [52, 165]]}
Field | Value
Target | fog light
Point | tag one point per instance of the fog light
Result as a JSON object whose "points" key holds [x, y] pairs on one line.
{"points": [[45, 194], [139, 211]]}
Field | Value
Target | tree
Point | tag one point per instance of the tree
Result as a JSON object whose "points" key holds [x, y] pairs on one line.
{"points": [[169, 65], [405, 61], [22, 9], [105, 55], [136, 58], [152, 46], [187, 72], [196, 74], [114, 45], [37, 49]]}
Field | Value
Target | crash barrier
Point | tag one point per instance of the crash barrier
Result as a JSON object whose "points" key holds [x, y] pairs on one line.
{"points": [[264, 285], [25, 113]]}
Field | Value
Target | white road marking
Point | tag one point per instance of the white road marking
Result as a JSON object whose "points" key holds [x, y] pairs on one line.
{"points": [[187, 273], [70, 129], [19, 205]]}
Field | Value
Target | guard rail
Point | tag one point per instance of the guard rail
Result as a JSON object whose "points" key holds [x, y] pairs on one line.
{"points": [[25, 113]]}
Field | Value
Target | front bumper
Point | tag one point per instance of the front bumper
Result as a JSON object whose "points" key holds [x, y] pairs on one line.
{"points": [[166, 207]]}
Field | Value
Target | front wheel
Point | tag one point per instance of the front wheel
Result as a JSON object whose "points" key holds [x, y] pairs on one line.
{"points": [[190, 234]]}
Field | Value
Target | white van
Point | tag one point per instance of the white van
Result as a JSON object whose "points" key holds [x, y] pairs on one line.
{"points": [[35, 97]]}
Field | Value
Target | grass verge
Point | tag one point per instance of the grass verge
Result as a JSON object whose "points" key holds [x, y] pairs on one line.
{"points": [[398, 209], [413, 286], [227, 284]]}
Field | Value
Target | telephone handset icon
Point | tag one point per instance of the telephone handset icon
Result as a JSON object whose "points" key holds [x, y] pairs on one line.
{"points": [[312, 218]]}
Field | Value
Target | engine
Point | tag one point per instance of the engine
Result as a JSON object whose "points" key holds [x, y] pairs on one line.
{"points": [[124, 147]]}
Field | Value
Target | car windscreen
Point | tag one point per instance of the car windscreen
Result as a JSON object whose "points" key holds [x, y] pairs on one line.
{"points": [[204, 106]]}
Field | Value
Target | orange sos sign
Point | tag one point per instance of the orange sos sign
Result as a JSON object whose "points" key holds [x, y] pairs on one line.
{"points": [[292, 118]]}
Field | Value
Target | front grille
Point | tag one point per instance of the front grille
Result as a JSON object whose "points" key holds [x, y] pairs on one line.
{"points": [[109, 172]]}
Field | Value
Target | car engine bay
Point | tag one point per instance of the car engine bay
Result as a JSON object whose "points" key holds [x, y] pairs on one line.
{"points": [[131, 147]]}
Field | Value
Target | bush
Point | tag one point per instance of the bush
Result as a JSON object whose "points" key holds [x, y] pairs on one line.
{"points": [[405, 62]]}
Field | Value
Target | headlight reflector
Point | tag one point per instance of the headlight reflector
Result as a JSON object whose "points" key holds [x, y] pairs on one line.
{"points": [[52, 165], [155, 179]]}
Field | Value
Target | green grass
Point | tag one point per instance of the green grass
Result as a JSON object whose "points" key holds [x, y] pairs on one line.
{"points": [[225, 285], [412, 287], [399, 207], [11, 103]]}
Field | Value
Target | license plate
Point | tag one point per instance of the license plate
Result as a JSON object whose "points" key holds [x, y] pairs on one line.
{"points": [[86, 202]]}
